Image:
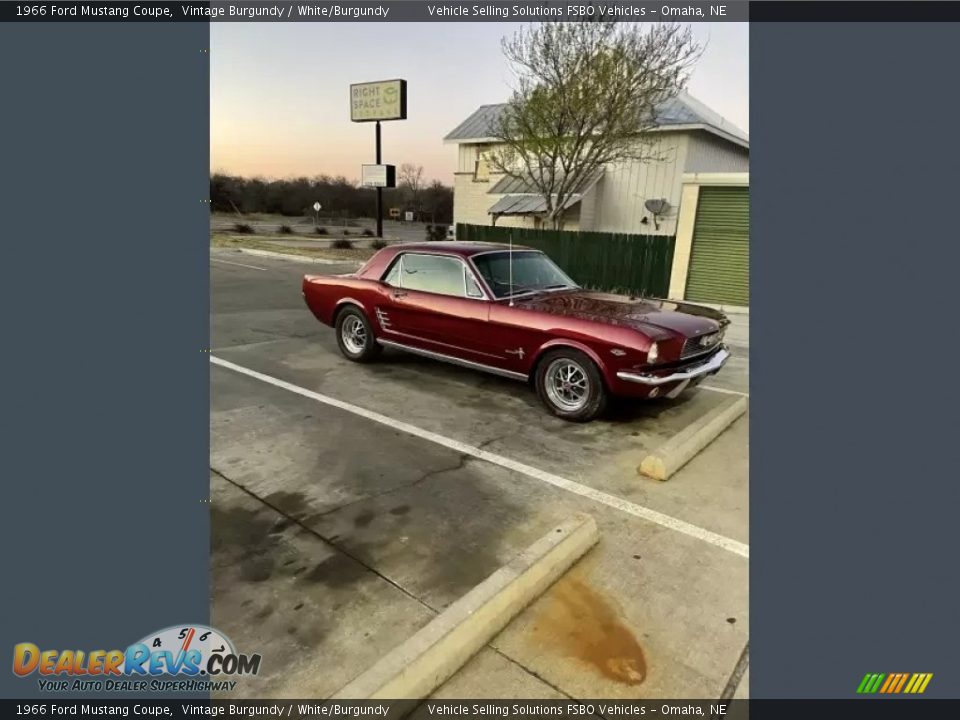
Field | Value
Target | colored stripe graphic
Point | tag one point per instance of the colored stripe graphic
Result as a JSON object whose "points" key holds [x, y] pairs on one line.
{"points": [[894, 683]]}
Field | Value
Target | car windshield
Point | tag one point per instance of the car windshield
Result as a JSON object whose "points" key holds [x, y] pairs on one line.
{"points": [[532, 271]]}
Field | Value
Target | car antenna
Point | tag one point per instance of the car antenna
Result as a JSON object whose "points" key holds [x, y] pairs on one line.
{"points": [[510, 263]]}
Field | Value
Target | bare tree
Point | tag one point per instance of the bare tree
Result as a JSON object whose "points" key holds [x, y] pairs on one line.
{"points": [[411, 180], [585, 97]]}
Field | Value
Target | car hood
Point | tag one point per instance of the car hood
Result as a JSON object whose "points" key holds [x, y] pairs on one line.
{"points": [[647, 315]]}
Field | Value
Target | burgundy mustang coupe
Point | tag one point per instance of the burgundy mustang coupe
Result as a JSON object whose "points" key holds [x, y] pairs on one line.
{"points": [[516, 314]]}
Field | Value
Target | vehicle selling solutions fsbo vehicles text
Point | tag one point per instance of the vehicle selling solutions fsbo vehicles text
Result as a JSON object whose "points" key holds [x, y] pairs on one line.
{"points": [[583, 10], [535, 11]]}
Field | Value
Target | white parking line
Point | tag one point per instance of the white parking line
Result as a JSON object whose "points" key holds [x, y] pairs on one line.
{"points": [[227, 262], [667, 521], [724, 390]]}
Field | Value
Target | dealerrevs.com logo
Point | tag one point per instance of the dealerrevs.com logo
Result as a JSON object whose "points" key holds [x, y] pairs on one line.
{"points": [[182, 658]]}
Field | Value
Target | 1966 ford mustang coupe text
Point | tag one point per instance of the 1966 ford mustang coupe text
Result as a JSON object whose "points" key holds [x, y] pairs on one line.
{"points": [[516, 314]]}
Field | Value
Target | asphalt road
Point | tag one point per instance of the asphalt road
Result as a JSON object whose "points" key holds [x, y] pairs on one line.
{"points": [[338, 531]]}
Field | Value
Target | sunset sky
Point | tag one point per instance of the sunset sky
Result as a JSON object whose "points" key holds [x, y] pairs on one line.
{"points": [[279, 91]]}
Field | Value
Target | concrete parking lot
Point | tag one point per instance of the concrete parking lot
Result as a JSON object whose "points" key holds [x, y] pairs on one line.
{"points": [[351, 503]]}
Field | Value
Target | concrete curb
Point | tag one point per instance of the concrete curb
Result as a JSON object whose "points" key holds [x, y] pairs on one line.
{"points": [[682, 447], [725, 309], [295, 258], [421, 664]]}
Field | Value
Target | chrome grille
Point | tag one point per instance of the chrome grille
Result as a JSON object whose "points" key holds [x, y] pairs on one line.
{"points": [[701, 345]]}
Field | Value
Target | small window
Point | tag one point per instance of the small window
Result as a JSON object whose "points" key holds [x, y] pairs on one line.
{"points": [[432, 273], [393, 277], [470, 282], [482, 168]]}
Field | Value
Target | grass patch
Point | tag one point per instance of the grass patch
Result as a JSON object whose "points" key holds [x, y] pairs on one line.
{"points": [[243, 228], [367, 232], [378, 244], [341, 244], [320, 230], [285, 230]]}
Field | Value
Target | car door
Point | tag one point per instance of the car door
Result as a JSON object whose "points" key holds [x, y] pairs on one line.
{"points": [[435, 304]]}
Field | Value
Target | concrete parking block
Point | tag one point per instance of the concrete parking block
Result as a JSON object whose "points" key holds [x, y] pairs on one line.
{"points": [[743, 689], [421, 664], [682, 447]]}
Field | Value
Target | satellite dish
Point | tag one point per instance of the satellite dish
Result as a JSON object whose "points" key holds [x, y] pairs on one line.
{"points": [[658, 206]]}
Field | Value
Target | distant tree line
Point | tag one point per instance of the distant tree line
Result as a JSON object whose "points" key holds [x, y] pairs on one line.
{"points": [[338, 196]]}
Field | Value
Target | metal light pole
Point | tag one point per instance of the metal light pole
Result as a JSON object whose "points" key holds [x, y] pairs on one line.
{"points": [[379, 190]]}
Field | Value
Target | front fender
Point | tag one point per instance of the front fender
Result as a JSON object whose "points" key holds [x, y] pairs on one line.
{"points": [[577, 345]]}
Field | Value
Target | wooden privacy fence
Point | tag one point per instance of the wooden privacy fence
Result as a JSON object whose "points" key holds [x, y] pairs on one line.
{"points": [[615, 262]]}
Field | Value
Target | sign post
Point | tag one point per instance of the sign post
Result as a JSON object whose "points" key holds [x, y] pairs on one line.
{"points": [[379, 190], [316, 213], [373, 102]]}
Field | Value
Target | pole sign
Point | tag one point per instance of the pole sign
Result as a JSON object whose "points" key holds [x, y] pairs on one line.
{"points": [[379, 176], [381, 100]]}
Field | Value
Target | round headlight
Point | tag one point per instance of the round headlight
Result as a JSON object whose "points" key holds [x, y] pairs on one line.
{"points": [[652, 353]]}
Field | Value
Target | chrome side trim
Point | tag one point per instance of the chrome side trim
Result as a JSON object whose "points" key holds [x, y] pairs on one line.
{"points": [[712, 365], [454, 360]]}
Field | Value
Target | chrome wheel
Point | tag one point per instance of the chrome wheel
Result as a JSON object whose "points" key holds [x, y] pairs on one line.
{"points": [[354, 335], [567, 385]]}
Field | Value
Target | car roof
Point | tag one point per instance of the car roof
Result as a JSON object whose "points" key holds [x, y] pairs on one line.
{"points": [[461, 248]]}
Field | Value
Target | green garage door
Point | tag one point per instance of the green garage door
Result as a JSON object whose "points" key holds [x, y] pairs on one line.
{"points": [[720, 259]]}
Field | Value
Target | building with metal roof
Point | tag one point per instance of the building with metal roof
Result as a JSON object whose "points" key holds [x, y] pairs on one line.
{"points": [[630, 197]]}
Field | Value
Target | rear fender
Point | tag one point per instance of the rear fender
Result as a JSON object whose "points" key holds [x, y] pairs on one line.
{"points": [[345, 301]]}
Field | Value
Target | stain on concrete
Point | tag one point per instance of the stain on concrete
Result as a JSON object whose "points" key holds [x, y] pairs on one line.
{"points": [[256, 569], [410, 539], [292, 504], [336, 571], [576, 620], [280, 525], [363, 519], [242, 537]]}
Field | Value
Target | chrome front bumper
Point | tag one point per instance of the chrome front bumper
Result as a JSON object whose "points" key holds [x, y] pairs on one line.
{"points": [[714, 363]]}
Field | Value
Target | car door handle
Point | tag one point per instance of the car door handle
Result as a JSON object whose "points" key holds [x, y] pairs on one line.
{"points": [[399, 293]]}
